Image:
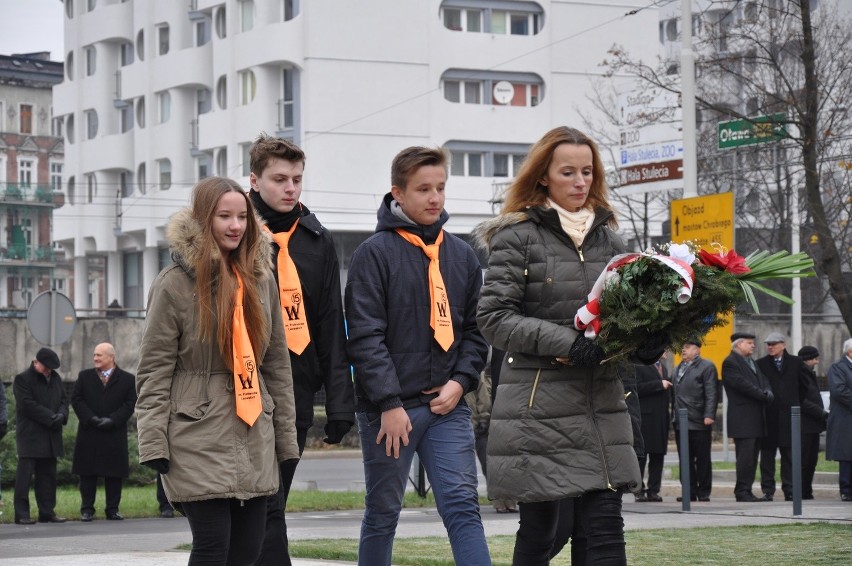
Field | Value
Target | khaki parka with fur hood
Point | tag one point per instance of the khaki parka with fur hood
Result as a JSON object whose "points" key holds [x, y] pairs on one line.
{"points": [[186, 409], [556, 430]]}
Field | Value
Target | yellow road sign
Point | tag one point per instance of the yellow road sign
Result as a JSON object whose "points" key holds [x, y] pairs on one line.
{"points": [[707, 220]]}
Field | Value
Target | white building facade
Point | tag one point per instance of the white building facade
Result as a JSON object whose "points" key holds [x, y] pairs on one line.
{"points": [[161, 93]]}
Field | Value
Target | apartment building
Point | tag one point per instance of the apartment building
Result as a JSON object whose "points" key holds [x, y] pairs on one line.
{"points": [[31, 166], [158, 94]]}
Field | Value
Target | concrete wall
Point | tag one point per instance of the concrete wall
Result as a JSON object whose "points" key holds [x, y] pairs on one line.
{"points": [[18, 347]]}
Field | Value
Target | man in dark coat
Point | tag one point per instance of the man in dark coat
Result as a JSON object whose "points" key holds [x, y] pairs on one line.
{"points": [[104, 398], [695, 389], [814, 417], [277, 166], [653, 385], [749, 394], [838, 442], [4, 421], [788, 377], [41, 410]]}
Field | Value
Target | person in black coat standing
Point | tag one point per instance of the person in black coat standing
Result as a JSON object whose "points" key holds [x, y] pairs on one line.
{"points": [[695, 387], [654, 388], [41, 410], [788, 377], [749, 393], [104, 398], [814, 418]]}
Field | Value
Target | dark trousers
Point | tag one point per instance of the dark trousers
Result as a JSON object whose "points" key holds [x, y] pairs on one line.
{"points": [[810, 457], [767, 468], [88, 490], [655, 472], [747, 450], [592, 522], [844, 478], [162, 500], [700, 467], [226, 532], [45, 486], [275, 551]]}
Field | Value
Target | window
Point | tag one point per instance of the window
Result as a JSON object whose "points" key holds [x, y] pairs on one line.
{"points": [[69, 129], [91, 60], [163, 39], [247, 87], [56, 176], [25, 172], [141, 178], [26, 119], [222, 92], [246, 163], [91, 123], [69, 8], [69, 65], [140, 112], [246, 15], [90, 5], [140, 44], [222, 162], [515, 18], [56, 126], [165, 167], [125, 117], [458, 19], [290, 10], [91, 187], [478, 87], [125, 183], [203, 166], [72, 190], [485, 159], [285, 117], [164, 100], [514, 23], [221, 23], [202, 32], [204, 102], [125, 54], [671, 29]]}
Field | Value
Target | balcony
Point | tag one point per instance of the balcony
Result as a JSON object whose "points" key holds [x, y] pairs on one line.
{"points": [[40, 195]]}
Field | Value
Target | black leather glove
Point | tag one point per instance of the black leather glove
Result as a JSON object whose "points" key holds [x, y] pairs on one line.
{"points": [[585, 353], [768, 396], [56, 421], [95, 422], [160, 465], [106, 423], [335, 431], [652, 349], [4, 428]]}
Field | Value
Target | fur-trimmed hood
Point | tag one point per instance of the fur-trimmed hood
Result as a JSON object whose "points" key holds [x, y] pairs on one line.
{"points": [[483, 232], [185, 238]]}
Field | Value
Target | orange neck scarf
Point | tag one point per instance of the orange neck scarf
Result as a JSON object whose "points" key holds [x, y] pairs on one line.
{"points": [[440, 319], [246, 386], [290, 295]]}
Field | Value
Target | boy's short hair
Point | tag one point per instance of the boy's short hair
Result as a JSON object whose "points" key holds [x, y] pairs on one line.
{"points": [[413, 158], [266, 147]]}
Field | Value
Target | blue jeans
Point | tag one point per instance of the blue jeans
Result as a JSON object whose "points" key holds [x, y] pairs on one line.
{"points": [[445, 446]]}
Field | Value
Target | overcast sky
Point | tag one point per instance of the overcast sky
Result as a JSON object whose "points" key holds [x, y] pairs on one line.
{"points": [[27, 26]]}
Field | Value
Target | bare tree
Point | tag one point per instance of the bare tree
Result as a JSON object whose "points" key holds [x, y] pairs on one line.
{"points": [[769, 58]]}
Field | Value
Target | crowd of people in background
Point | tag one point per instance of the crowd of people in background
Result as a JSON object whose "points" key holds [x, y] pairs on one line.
{"points": [[246, 325]]}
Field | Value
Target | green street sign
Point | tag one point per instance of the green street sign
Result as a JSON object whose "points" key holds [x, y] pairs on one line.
{"points": [[760, 129]]}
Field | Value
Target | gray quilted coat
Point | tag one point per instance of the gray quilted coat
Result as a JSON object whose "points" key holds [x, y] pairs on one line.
{"points": [[556, 430]]}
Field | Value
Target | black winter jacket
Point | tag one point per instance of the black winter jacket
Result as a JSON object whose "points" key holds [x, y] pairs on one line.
{"points": [[323, 363], [391, 344], [790, 386], [37, 399]]}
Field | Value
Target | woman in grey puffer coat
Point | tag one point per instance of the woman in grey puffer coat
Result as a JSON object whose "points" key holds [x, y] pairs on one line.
{"points": [[560, 437]]}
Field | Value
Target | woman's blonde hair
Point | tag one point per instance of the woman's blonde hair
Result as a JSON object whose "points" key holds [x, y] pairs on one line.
{"points": [[214, 278], [527, 191]]}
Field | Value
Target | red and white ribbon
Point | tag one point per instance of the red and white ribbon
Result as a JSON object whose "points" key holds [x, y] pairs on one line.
{"points": [[588, 316]]}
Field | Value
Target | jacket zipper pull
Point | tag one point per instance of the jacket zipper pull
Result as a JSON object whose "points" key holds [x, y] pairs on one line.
{"points": [[580, 251]]}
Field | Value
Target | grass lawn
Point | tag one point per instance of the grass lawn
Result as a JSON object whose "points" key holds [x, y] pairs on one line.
{"points": [[818, 543]]}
